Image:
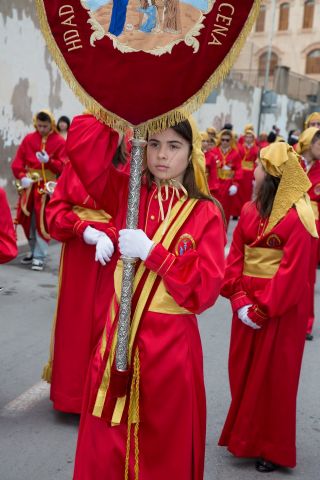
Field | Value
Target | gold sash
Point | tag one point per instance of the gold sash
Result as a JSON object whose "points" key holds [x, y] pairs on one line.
{"points": [[315, 209], [225, 174], [50, 176], [172, 230], [90, 214], [261, 262], [247, 165]]}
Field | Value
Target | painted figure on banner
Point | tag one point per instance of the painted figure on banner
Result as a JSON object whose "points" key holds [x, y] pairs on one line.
{"points": [[126, 21]]}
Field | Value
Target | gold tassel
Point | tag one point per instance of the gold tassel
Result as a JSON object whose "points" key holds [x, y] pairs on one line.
{"points": [[161, 122], [47, 372], [133, 417], [47, 369]]}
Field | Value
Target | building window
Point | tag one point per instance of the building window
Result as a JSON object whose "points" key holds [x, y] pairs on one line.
{"points": [[308, 14], [313, 61], [261, 19], [263, 63], [284, 16]]}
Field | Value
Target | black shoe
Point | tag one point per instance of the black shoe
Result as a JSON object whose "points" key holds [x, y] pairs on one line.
{"points": [[264, 466], [235, 217], [27, 259], [309, 336]]}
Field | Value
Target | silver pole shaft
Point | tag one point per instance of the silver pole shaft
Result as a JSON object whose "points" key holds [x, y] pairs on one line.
{"points": [[138, 144]]}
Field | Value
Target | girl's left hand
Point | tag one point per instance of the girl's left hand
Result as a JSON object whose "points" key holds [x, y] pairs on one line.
{"points": [[134, 243]]}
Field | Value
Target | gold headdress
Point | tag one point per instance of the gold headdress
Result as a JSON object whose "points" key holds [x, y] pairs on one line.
{"points": [[280, 160], [248, 128], [225, 131], [315, 116], [305, 139], [198, 159], [52, 119], [204, 136]]}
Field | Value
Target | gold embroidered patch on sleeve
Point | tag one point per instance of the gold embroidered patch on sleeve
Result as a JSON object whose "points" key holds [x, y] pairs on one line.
{"points": [[186, 242]]}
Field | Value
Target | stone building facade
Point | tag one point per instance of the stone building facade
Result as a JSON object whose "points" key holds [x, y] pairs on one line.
{"points": [[296, 41]]}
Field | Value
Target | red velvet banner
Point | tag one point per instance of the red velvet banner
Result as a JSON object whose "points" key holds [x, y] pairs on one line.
{"points": [[138, 61]]}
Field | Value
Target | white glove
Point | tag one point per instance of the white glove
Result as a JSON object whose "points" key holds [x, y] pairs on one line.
{"points": [[26, 182], [233, 190], [134, 243], [104, 249], [243, 316], [92, 235], [43, 157]]}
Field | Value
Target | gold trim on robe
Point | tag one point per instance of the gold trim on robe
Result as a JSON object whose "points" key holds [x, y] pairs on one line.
{"points": [[315, 209], [247, 165], [50, 176], [225, 174], [90, 214], [261, 262]]}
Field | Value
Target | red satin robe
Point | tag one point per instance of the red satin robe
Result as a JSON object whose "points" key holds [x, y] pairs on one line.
{"points": [[212, 174], [231, 164], [248, 156], [8, 242], [26, 160], [86, 288], [314, 193], [171, 445], [264, 365]]}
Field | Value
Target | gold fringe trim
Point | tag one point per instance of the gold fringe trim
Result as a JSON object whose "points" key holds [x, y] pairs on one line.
{"points": [[133, 416], [161, 122], [47, 369], [42, 227]]}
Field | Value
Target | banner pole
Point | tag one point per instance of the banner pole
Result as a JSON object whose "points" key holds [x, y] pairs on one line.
{"points": [[138, 144]]}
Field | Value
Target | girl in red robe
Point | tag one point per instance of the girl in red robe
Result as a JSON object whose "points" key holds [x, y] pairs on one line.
{"points": [[8, 242], [265, 278], [180, 244], [309, 147], [225, 160], [85, 229]]}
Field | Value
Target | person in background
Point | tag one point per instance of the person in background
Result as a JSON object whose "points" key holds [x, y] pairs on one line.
{"points": [[40, 159], [63, 126], [265, 281], [313, 120], [309, 147], [262, 140], [293, 137], [225, 159], [248, 152], [8, 241]]}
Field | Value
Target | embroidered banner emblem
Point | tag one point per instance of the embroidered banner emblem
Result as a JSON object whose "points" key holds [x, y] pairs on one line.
{"points": [[146, 63]]}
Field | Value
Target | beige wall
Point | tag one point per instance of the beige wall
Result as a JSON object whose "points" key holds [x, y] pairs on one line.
{"points": [[29, 82], [291, 46]]}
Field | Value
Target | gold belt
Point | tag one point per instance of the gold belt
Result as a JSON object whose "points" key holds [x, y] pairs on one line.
{"points": [[225, 174], [315, 209], [261, 262], [162, 301], [247, 165], [90, 214], [50, 176]]}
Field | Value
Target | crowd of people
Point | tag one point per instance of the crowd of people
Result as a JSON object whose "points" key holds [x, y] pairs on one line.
{"points": [[193, 183]]}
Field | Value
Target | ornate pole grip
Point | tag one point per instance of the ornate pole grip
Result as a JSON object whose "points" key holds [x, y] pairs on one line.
{"points": [[138, 144]]}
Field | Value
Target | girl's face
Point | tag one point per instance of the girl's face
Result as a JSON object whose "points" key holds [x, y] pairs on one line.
{"points": [[63, 126], [168, 155], [259, 176], [315, 150]]}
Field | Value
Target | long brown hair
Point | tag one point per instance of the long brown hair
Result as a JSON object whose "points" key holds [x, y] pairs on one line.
{"points": [[189, 180], [266, 195]]}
